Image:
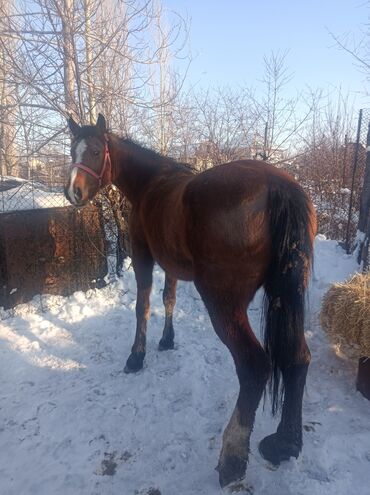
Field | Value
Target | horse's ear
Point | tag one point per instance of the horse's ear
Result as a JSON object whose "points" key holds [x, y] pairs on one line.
{"points": [[73, 126], [101, 124]]}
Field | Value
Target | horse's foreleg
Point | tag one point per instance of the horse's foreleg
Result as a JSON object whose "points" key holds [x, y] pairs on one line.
{"points": [[287, 441], [252, 365], [143, 267], [169, 301]]}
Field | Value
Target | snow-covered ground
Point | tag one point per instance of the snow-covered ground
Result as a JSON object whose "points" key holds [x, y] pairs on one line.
{"points": [[28, 195], [72, 423]]}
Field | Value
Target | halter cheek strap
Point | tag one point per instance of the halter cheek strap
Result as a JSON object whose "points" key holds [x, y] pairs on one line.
{"points": [[106, 169]]}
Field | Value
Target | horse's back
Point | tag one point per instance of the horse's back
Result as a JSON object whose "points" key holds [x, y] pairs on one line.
{"points": [[214, 223], [238, 180], [228, 227]]}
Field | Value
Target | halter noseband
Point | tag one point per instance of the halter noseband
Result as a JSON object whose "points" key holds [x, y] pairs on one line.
{"points": [[105, 167]]}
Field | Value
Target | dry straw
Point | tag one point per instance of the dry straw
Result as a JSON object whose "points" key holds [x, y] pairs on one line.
{"points": [[345, 315]]}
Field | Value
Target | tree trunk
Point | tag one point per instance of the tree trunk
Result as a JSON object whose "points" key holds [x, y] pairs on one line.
{"points": [[8, 158], [89, 63], [68, 59]]}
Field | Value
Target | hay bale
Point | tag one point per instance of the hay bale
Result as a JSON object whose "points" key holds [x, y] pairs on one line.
{"points": [[345, 315]]}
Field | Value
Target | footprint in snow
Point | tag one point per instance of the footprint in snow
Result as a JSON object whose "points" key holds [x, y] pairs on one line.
{"points": [[109, 464], [241, 488], [151, 491]]}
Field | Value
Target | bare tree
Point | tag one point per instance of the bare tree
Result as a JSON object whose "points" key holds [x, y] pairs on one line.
{"points": [[8, 149], [73, 56], [280, 113], [325, 160], [225, 125]]}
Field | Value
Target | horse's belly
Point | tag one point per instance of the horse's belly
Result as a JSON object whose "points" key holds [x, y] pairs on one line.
{"points": [[176, 266], [168, 244]]}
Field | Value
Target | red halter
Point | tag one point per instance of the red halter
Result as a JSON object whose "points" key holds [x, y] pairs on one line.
{"points": [[107, 167]]}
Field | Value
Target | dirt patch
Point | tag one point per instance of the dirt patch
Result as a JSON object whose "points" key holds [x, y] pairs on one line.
{"points": [[108, 467]]}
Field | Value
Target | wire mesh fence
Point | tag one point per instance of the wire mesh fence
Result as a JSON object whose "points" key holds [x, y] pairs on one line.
{"points": [[48, 246], [358, 176], [332, 172], [37, 182], [40, 186]]}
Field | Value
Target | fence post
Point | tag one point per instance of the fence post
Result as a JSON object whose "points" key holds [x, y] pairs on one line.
{"points": [[355, 161], [364, 218]]}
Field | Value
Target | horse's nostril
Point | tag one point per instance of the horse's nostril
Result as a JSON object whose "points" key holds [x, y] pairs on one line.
{"points": [[78, 193]]}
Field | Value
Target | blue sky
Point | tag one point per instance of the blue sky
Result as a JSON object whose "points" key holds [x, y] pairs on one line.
{"points": [[229, 39]]}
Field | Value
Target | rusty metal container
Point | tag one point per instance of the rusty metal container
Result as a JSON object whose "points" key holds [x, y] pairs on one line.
{"points": [[363, 377], [50, 251]]}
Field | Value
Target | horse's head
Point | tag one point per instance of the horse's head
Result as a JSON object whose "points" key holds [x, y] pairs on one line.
{"points": [[91, 167]]}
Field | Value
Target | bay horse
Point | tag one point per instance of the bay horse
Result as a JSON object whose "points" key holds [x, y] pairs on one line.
{"points": [[231, 229]]}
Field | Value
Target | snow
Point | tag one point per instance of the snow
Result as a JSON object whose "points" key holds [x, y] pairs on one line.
{"points": [[345, 190], [27, 196], [358, 244], [72, 423]]}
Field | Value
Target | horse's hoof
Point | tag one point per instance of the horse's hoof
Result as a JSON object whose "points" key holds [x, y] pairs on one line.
{"points": [[275, 450], [166, 345], [230, 470], [134, 363]]}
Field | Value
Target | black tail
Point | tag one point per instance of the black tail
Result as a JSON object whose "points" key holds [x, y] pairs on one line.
{"points": [[292, 228]]}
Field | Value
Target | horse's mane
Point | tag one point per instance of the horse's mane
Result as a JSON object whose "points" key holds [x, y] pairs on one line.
{"points": [[149, 155], [144, 153]]}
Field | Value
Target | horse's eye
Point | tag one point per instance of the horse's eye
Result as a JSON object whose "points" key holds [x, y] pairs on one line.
{"points": [[96, 152]]}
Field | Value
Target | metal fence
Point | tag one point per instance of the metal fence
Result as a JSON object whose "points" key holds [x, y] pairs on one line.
{"points": [[47, 246], [358, 169], [37, 184]]}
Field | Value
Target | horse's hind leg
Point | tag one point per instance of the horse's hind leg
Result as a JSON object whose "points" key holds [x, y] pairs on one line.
{"points": [[287, 441], [252, 364], [169, 301]]}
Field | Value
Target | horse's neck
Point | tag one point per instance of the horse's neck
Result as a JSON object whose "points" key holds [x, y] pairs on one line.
{"points": [[133, 172]]}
